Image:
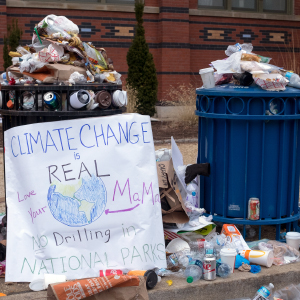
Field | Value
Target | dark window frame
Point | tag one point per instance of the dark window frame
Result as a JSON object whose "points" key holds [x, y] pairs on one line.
{"points": [[259, 8]]}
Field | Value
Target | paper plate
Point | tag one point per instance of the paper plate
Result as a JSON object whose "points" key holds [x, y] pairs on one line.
{"points": [[37, 285]]}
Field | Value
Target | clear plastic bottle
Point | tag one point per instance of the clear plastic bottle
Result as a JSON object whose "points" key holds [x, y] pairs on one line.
{"points": [[193, 271], [265, 292], [292, 77], [166, 156], [237, 47], [223, 270], [192, 196]]}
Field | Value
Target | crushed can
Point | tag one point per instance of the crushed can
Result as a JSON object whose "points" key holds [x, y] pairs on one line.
{"points": [[209, 267], [253, 209]]}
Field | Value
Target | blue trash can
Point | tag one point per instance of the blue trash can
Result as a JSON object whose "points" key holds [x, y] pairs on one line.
{"points": [[251, 138]]}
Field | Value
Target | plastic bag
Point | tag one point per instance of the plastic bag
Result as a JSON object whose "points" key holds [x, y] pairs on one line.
{"points": [[22, 50], [59, 24], [77, 78], [238, 47], [230, 65], [222, 78], [283, 253], [50, 54], [94, 56], [254, 67], [290, 292]]}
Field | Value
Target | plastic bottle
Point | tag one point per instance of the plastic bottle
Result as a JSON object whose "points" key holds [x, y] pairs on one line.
{"points": [[193, 271], [292, 77], [166, 156], [223, 270], [192, 196], [265, 292], [237, 47]]}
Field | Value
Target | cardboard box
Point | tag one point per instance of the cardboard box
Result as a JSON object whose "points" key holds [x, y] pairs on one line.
{"points": [[169, 190]]}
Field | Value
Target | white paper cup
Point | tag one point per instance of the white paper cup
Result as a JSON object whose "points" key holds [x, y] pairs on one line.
{"points": [[74, 101], [119, 98], [293, 239], [207, 76], [263, 258], [228, 257], [53, 278]]}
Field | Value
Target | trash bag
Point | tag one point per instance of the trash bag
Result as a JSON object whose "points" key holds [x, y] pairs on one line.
{"points": [[230, 65], [2, 252]]}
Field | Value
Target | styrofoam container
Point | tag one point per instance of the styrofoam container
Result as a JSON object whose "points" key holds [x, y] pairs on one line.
{"points": [[293, 239], [228, 256], [177, 245], [207, 76], [263, 258]]}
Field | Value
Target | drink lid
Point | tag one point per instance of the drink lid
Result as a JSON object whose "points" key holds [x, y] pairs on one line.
{"points": [[190, 279], [151, 279], [228, 252]]}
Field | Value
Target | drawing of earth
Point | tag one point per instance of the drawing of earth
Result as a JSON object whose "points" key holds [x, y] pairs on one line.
{"points": [[79, 204]]}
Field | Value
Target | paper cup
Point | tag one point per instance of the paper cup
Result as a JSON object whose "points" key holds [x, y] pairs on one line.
{"points": [[53, 278], [207, 76], [76, 103], [293, 239], [228, 257], [263, 258], [119, 98]]}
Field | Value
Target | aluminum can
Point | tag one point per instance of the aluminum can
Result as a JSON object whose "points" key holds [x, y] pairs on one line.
{"points": [[51, 100], [209, 267], [253, 209]]}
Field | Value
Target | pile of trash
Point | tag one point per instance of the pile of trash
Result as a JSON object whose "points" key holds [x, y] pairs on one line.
{"points": [[58, 55], [194, 249], [243, 67]]}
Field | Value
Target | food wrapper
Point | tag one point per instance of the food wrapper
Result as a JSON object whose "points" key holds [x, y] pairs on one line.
{"points": [[121, 287], [49, 54], [234, 236], [271, 82]]}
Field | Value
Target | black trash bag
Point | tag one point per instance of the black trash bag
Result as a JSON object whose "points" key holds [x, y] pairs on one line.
{"points": [[2, 252], [197, 169]]}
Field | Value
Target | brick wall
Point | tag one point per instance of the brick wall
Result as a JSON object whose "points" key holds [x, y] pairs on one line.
{"points": [[181, 43]]}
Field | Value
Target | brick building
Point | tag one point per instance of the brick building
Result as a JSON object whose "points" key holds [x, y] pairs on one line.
{"points": [[183, 36]]}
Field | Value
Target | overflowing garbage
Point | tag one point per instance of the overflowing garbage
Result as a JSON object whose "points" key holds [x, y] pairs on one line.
{"points": [[243, 67], [58, 56]]}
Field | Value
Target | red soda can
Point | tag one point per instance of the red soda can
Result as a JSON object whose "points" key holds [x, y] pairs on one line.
{"points": [[253, 209], [110, 272]]}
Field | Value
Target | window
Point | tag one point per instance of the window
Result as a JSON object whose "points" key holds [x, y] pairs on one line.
{"points": [[275, 5], [243, 4], [261, 6], [212, 3]]}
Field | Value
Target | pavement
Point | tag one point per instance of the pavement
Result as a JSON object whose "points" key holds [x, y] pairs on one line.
{"points": [[238, 285]]}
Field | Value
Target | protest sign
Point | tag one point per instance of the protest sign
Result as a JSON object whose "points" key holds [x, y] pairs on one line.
{"points": [[82, 196]]}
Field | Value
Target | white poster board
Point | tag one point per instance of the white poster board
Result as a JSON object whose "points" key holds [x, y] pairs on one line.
{"points": [[82, 196]]}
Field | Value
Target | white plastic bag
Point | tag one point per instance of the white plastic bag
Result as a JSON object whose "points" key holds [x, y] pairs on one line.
{"points": [[77, 78], [230, 65]]}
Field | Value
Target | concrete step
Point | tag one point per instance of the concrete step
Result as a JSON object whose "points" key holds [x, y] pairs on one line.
{"points": [[238, 285]]}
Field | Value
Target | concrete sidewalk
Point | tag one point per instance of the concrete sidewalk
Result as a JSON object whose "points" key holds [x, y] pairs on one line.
{"points": [[238, 285]]}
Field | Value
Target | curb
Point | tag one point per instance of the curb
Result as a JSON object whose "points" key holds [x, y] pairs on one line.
{"points": [[168, 141], [238, 285]]}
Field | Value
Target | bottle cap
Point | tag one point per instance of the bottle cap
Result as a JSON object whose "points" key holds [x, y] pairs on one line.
{"points": [[190, 279], [271, 285], [151, 279], [193, 193]]}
